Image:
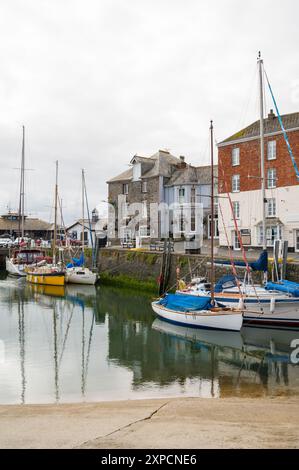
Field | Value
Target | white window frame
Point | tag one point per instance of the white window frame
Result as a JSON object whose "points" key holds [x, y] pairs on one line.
{"points": [[216, 227], [271, 180], [236, 242], [271, 207], [236, 212], [236, 156], [126, 188], [271, 150], [136, 171], [144, 186], [181, 197], [235, 183], [125, 234], [143, 231]]}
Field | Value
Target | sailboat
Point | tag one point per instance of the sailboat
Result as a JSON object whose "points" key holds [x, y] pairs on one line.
{"points": [[20, 258], [200, 311], [76, 272], [49, 274], [269, 305]]}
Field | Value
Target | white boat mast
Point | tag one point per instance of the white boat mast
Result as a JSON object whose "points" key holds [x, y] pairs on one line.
{"points": [[262, 146], [83, 213], [55, 215], [22, 191]]}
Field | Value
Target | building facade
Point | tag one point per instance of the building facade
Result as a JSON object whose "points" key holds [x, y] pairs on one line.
{"points": [[240, 175], [166, 181]]}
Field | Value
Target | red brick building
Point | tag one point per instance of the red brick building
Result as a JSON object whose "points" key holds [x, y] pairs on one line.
{"points": [[240, 175]]}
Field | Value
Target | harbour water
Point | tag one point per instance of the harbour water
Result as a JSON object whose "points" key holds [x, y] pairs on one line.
{"points": [[85, 343]]}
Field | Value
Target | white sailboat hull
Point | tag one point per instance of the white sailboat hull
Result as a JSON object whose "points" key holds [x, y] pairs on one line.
{"points": [[80, 276], [272, 308], [15, 269], [222, 320]]}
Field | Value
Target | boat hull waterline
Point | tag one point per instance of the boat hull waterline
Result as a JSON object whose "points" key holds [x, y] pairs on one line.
{"points": [[219, 320], [47, 279]]}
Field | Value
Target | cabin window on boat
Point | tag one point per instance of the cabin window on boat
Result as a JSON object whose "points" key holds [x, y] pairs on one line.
{"points": [[271, 178], [236, 183], [235, 156], [125, 188], [271, 154], [236, 209], [271, 207]]}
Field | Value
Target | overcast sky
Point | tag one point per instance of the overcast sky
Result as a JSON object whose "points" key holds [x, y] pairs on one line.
{"points": [[97, 81]]}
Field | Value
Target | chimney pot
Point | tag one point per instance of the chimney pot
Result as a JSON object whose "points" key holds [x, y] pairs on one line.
{"points": [[271, 115]]}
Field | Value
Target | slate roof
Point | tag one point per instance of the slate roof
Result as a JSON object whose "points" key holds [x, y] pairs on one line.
{"points": [[159, 164], [271, 125], [30, 224]]}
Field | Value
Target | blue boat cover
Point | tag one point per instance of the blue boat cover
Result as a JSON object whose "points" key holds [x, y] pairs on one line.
{"points": [[284, 286], [261, 264], [225, 282], [77, 262], [185, 303]]}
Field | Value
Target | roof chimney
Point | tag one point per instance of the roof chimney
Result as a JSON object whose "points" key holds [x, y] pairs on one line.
{"points": [[182, 158], [271, 115]]}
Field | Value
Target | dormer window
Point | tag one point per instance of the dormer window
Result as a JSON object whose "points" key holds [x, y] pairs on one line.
{"points": [[136, 171]]}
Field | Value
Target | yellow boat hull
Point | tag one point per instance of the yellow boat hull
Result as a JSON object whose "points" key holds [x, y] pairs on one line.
{"points": [[52, 279]]}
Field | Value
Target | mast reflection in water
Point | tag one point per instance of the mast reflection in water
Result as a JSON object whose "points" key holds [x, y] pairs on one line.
{"points": [[82, 343]]}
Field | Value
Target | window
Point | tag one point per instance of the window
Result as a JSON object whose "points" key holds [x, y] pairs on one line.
{"points": [[236, 183], [271, 207], [193, 196], [136, 171], [126, 234], [125, 188], [216, 230], [297, 240], [143, 231], [236, 241], [271, 150], [144, 187], [236, 209], [181, 195], [271, 178], [235, 157], [273, 232], [74, 235]]}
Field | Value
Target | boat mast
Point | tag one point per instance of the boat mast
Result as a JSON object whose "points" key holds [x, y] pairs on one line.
{"points": [[22, 190], [55, 215], [83, 213], [262, 146], [212, 218]]}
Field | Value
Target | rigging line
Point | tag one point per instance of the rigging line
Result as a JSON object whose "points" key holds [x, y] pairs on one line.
{"points": [[230, 253], [239, 236], [283, 129], [250, 92], [66, 336]]}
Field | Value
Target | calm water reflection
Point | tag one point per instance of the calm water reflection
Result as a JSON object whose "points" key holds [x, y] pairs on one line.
{"points": [[85, 344]]}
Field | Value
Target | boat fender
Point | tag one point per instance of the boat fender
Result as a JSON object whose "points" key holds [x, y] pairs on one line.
{"points": [[241, 304], [272, 305]]}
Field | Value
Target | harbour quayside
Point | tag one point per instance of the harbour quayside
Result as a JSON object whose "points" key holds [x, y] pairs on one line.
{"points": [[275, 303]]}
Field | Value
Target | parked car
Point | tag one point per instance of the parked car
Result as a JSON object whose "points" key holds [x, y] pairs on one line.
{"points": [[6, 242]]}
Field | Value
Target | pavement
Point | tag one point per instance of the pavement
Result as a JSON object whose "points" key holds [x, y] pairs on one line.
{"points": [[181, 423]]}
